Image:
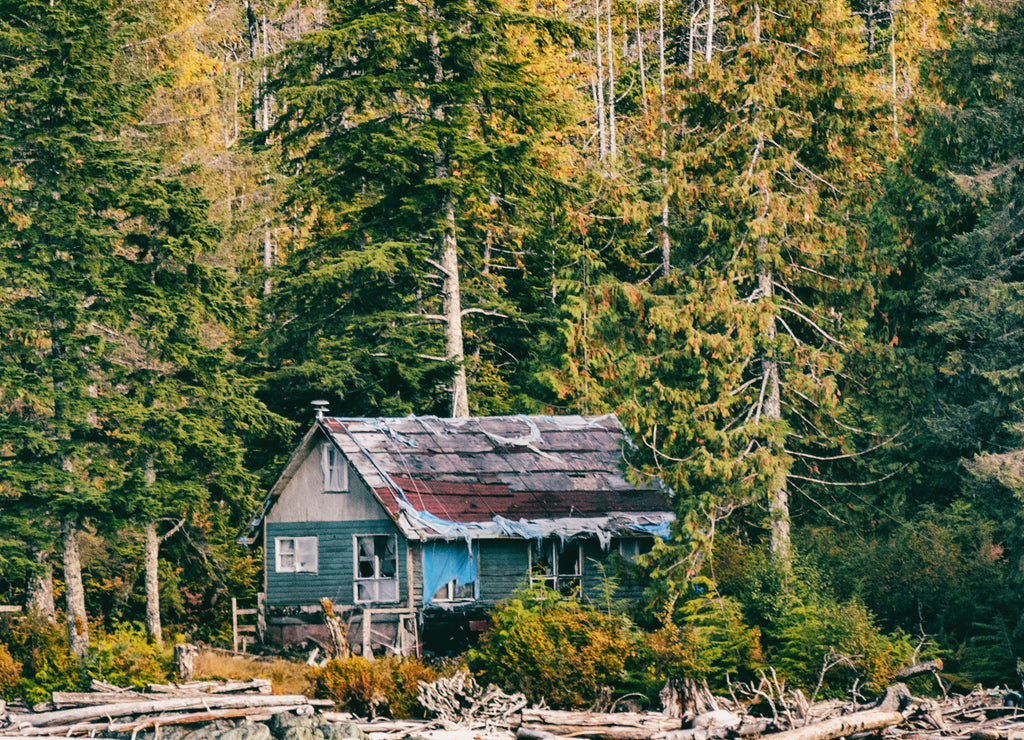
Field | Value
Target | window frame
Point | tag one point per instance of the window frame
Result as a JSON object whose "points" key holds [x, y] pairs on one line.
{"points": [[565, 583], [375, 582], [334, 467], [298, 544]]}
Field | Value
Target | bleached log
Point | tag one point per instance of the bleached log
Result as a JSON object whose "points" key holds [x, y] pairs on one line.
{"points": [[910, 671], [68, 699], [744, 729], [178, 704], [619, 726], [829, 729]]}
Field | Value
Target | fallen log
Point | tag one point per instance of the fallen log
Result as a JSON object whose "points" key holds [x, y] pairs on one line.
{"points": [[123, 709], [745, 729], [829, 729], [597, 725], [68, 699], [930, 666]]}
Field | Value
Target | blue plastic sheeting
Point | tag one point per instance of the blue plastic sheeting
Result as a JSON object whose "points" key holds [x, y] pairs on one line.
{"points": [[447, 561]]}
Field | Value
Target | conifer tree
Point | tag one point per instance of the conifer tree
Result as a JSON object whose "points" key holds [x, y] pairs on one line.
{"points": [[405, 123], [732, 368]]}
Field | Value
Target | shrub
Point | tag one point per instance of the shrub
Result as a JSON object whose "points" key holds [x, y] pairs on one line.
{"points": [[10, 673], [41, 647], [553, 648], [367, 688], [125, 657]]}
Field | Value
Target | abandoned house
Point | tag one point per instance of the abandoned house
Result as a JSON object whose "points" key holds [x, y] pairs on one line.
{"points": [[415, 527]]}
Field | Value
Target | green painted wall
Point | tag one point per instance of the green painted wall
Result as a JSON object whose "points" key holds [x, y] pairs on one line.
{"points": [[336, 563]]}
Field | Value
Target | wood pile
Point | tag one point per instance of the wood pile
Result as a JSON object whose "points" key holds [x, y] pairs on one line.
{"points": [[109, 710]]}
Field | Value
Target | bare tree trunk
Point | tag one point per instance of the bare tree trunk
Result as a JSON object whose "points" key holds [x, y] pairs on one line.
{"points": [[709, 44], [892, 63], [666, 251], [78, 621], [613, 147], [640, 61], [152, 566], [451, 289], [602, 136], [39, 590]]}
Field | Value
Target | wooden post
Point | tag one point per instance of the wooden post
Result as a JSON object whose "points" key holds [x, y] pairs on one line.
{"points": [[234, 624], [367, 650], [185, 661], [261, 617]]}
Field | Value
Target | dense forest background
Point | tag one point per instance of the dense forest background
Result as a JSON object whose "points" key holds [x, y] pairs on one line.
{"points": [[781, 239]]}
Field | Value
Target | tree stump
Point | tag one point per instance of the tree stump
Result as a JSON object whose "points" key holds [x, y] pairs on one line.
{"points": [[185, 661]]}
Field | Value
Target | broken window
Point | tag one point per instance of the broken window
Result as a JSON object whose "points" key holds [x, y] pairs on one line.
{"points": [[558, 566], [631, 548], [296, 554], [376, 568], [449, 571], [335, 469]]}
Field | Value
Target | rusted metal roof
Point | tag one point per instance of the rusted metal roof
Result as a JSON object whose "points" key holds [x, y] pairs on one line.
{"points": [[512, 467]]}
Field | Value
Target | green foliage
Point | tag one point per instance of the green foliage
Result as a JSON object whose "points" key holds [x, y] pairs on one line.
{"points": [[10, 673], [703, 636], [125, 657], [553, 648], [47, 665], [370, 688]]}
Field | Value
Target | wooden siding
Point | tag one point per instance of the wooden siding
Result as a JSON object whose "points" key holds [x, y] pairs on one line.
{"points": [[503, 568], [336, 563], [303, 498]]}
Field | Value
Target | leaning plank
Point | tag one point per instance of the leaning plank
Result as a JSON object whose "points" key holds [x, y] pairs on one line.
{"points": [[207, 702], [873, 719]]}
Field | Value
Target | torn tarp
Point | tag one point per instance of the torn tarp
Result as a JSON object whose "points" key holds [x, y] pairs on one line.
{"points": [[423, 525], [449, 562]]}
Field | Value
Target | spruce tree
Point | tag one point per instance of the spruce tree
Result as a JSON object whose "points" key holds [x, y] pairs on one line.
{"points": [[412, 129]]}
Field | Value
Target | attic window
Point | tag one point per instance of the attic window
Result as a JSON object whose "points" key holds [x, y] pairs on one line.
{"points": [[296, 554], [376, 568], [335, 469]]}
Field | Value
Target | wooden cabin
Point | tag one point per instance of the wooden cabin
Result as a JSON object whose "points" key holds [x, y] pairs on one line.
{"points": [[415, 527]]}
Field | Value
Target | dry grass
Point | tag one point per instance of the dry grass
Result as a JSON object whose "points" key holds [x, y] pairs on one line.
{"points": [[286, 676]]}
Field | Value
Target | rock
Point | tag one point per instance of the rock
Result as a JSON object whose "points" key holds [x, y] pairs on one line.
{"points": [[248, 731], [341, 731]]}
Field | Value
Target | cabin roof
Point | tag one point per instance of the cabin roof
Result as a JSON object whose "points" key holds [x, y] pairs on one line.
{"points": [[496, 476], [429, 472]]}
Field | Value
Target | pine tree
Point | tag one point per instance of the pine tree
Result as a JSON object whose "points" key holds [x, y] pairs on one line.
{"points": [[732, 370], [413, 132]]}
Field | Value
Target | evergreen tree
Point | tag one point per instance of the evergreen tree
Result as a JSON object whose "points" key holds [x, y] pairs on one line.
{"points": [[413, 130]]}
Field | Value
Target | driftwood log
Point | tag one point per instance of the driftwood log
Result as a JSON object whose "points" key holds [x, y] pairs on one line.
{"points": [[620, 726], [126, 709]]}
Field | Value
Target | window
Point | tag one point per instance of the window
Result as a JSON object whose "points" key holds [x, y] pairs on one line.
{"points": [[335, 469], [376, 568], [296, 554], [560, 568], [631, 548]]}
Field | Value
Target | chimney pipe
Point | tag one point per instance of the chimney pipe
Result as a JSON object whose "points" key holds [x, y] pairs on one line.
{"points": [[320, 407]]}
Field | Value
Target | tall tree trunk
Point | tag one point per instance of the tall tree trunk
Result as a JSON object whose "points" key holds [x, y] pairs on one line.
{"points": [[613, 147], [451, 290], [640, 61], [709, 43], [39, 590], [78, 621], [152, 566], [666, 251], [599, 101]]}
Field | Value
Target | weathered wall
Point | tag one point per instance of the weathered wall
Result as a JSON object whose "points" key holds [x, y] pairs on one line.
{"points": [[336, 562]]}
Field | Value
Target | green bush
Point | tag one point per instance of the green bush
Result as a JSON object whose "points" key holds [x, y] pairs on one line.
{"points": [[705, 639], [10, 673], [369, 688], [47, 665], [125, 657], [553, 648]]}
